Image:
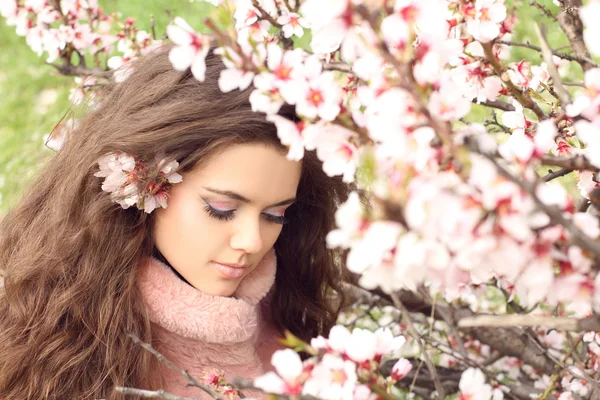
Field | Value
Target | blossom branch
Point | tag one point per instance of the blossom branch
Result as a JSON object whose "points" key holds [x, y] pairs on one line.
{"points": [[508, 341], [554, 213], [423, 382], [265, 15], [191, 380], [522, 98]]}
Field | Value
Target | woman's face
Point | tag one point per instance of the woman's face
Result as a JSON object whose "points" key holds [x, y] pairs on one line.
{"points": [[226, 215]]}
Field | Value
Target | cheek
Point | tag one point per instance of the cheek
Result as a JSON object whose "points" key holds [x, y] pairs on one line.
{"points": [[270, 235], [186, 227]]}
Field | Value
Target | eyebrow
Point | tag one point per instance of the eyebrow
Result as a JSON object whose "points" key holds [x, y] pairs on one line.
{"points": [[237, 196]]}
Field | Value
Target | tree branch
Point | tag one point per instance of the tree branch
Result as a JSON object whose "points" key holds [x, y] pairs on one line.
{"points": [[591, 323], [573, 27], [556, 174], [577, 162], [564, 56]]}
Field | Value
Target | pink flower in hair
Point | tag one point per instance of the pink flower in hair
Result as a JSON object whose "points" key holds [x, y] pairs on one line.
{"points": [[127, 181]]}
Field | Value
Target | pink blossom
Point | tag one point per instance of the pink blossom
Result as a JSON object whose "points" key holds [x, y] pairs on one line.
{"points": [[334, 147], [586, 183], [515, 119], [386, 342], [290, 134], [326, 19], [361, 345], [545, 136], [590, 134], [535, 282], [472, 385], [588, 224], [190, 50], [369, 255], [286, 380], [332, 379], [396, 33], [484, 18], [266, 97], [348, 218], [517, 148], [320, 98], [448, 103], [401, 369], [286, 71], [292, 25], [234, 76], [589, 15], [476, 82], [123, 175]]}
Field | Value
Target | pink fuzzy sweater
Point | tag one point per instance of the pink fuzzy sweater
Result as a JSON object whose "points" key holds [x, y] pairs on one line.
{"points": [[199, 332]]}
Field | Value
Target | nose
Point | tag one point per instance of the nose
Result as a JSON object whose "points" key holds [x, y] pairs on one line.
{"points": [[247, 237]]}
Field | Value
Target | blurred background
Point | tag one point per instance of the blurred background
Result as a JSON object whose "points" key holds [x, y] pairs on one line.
{"points": [[34, 97]]}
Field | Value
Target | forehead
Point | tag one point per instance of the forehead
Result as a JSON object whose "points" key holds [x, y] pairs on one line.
{"points": [[256, 171]]}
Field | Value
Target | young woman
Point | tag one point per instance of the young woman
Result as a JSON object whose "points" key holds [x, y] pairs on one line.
{"points": [[171, 212]]}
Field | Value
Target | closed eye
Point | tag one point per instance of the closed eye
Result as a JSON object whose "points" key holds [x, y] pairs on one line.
{"points": [[221, 215], [278, 219], [228, 215]]}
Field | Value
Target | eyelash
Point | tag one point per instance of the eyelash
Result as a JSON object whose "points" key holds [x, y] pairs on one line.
{"points": [[229, 215]]}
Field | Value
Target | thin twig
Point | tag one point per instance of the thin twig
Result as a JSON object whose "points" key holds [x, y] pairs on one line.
{"points": [[556, 174], [149, 394], [562, 93], [499, 104], [153, 26], [543, 9], [564, 56], [265, 15], [413, 332], [191, 380], [69, 69]]}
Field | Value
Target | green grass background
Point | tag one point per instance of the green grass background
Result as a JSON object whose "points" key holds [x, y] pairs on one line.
{"points": [[33, 98]]}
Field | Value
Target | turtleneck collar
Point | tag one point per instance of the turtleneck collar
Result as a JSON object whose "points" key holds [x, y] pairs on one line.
{"points": [[182, 309]]}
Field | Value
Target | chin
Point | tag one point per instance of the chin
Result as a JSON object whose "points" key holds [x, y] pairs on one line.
{"points": [[221, 290]]}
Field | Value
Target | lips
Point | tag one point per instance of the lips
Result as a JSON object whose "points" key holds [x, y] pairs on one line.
{"points": [[230, 271]]}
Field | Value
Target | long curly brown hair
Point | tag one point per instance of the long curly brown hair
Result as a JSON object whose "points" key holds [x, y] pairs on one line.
{"points": [[70, 254]]}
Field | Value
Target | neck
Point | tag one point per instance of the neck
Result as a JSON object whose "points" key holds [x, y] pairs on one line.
{"points": [[180, 308], [159, 256]]}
